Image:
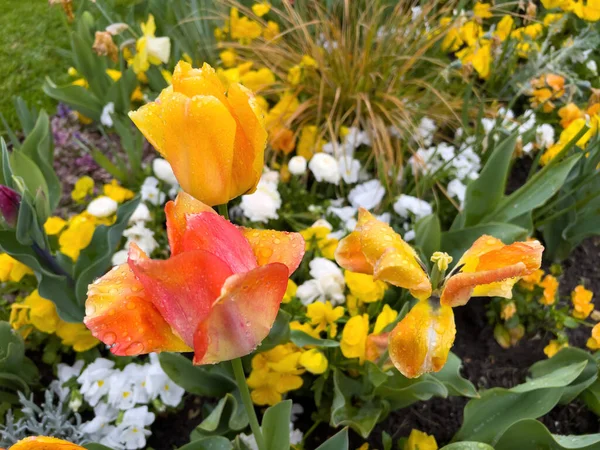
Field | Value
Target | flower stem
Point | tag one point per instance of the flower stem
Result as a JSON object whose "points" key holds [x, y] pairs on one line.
{"points": [[240, 378]]}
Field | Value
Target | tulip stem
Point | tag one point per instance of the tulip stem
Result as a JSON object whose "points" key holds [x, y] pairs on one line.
{"points": [[240, 378]]}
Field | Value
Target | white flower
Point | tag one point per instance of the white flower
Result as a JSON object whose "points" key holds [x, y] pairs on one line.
{"points": [[456, 188], [544, 136], [327, 283], [99, 426], [119, 257], [425, 130], [142, 236], [263, 204], [367, 195], [158, 384], [141, 214], [64, 373], [406, 204], [94, 380], [325, 168], [131, 431], [297, 165], [349, 168], [102, 207], [163, 171], [150, 192], [105, 118], [159, 47]]}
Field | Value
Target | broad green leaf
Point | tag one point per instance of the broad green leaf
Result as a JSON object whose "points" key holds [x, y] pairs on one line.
{"points": [[301, 339], [454, 382], [531, 434], [276, 426], [209, 443], [337, 442], [428, 235], [467, 445], [209, 381], [485, 193]]}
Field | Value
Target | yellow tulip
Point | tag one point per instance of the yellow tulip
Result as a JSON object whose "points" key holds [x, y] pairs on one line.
{"points": [[214, 141]]}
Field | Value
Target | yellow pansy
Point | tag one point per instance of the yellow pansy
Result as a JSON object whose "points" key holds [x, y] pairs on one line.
{"points": [[417, 440], [553, 347], [118, 193], [314, 361], [77, 236], [309, 142], [290, 292], [83, 187], [76, 335], [228, 57], [354, 337], [323, 316], [54, 225], [260, 9], [482, 10], [385, 317], [593, 343], [364, 287], [318, 237], [11, 269], [582, 302], [42, 313]]}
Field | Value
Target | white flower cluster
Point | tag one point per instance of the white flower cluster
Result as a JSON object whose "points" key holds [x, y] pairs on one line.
{"points": [[264, 203], [296, 435], [120, 398]]}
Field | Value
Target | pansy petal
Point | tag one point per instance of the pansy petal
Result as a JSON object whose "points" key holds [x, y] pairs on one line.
{"points": [[276, 246], [421, 341], [216, 235], [242, 316], [176, 212], [349, 255], [119, 313], [182, 288], [459, 288], [400, 270]]}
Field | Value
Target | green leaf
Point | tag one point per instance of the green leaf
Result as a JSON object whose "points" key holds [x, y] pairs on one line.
{"points": [[428, 235], [537, 436], [454, 382], [276, 426], [485, 193], [301, 339], [467, 445], [337, 442], [96, 258], [209, 443], [209, 381]]}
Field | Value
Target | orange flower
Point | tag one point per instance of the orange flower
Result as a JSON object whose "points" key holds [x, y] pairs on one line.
{"points": [[214, 141], [569, 113], [44, 443], [582, 302], [550, 285], [421, 341], [218, 293]]}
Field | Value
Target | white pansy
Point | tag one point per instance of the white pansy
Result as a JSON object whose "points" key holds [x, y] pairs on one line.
{"points": [[325, 168], [159, 47], [105, 117], [102, 206], [456, 188], [151, 193], [544, 136], [263, 204], [163, 171], [367, 195], [141, 214], [407, 204], [349, 168], [142, 236], [158, 384], [327, 283], [94, 380], [297, 165]]}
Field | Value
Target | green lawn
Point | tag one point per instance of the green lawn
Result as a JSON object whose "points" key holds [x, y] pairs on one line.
{"points": [[30, 33]]}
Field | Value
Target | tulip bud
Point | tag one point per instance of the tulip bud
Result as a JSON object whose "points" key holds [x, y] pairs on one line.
{"points": [[9, 205]]}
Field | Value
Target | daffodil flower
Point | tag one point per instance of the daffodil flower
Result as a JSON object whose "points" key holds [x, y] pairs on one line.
{"points": [[218, 293], [420, 342]]}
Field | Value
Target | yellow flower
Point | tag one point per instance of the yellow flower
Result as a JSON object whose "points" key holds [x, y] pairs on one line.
{"points": [[354, 337], [149, 48], [504, 27], [550, 285], [553, 347], [117, 193], [314, 361], [582, 302], [257, 80], [77, 236], [309, 142], [482, 10], [323, 316], [508, 310], [385, 317], [11, 269], [318, 237], [271, 31], [243, 29], [54, 225], [42, 313], [260, 9], [593, 343], [294, 75], [76, 335], [420, 441], [290, 292], [529, 282], [228, 57], [83, 187], [364, 287]]}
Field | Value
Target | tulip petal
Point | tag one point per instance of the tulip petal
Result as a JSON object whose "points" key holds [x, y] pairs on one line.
{"points": [[271, 246], [202, 161], [44, 443], [182, 288], [149, 120], [242, 316], [119, 313], [349, 255], [421, 341], [214, 234], [176, 212]]}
